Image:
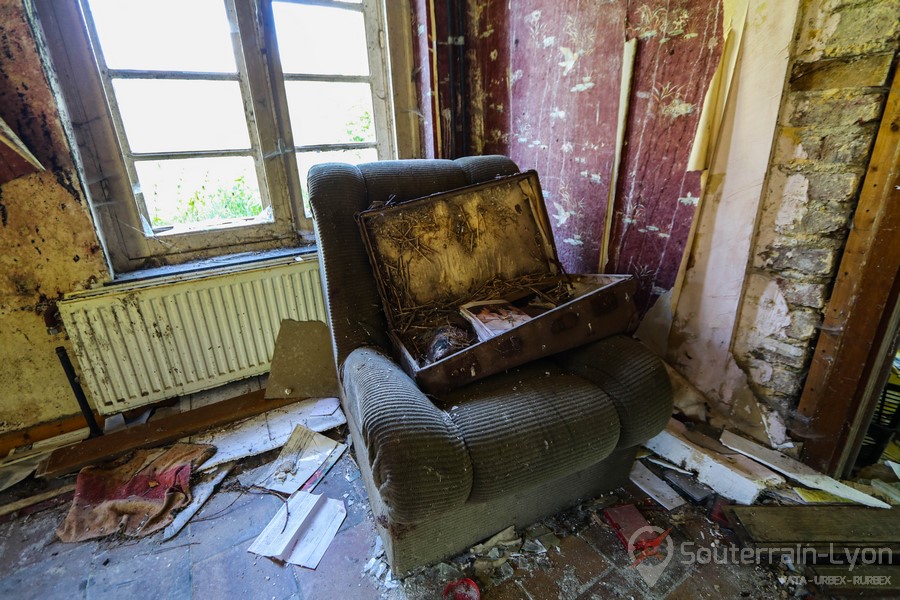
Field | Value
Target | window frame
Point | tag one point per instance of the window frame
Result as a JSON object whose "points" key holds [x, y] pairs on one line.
{"points": [[83, 78]]}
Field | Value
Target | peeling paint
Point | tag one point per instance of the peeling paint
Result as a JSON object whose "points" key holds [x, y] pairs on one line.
{"points": [[48, 246]]}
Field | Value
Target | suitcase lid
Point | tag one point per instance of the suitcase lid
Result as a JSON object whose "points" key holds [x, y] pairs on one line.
{"points": [[479, 242]]}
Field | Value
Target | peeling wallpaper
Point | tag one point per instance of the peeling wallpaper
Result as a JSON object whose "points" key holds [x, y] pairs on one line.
{"points": [[47, 242], [544, 89]]}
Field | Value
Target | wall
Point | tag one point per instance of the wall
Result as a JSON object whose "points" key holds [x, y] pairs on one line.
{"points": [[544, 89], [842, 64], [700, 342], [779, 198], [47, 241]]}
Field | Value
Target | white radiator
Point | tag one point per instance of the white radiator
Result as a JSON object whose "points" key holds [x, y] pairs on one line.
{"points": [[144, 342]]}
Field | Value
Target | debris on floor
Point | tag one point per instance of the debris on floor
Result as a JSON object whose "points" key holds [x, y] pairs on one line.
{"points": [[136, 496], [797, 470]]}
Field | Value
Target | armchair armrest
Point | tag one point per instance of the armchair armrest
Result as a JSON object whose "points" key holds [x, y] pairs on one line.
{"points": [[419, 461]]}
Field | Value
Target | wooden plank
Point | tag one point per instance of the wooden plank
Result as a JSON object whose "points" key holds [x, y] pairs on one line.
{"points": [[734, 476], [797, 470], [881, 580], [156, 433], [44, 431], [658, 489], [32, 500], [858, 304], [628, 55], [818, 525]]}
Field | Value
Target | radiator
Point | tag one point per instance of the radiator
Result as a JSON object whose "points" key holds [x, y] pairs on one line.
{"points": [[144, 342]]}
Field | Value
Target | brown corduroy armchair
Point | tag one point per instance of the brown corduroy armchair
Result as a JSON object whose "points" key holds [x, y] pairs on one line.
{"points": [[444, 473]]}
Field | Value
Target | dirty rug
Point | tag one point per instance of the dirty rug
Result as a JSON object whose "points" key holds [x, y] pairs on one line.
{"points": [[136, 495]]}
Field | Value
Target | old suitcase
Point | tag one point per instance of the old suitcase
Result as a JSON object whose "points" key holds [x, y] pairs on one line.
{"points": [[488, 241]]}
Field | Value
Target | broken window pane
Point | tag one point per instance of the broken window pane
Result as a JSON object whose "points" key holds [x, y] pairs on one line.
{"points": [[319, 40], [178, 115], [201, 191], [330, 113], [166, 35]]}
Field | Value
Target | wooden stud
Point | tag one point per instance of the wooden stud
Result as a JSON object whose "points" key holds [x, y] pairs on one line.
{"points": [[859, 302]]}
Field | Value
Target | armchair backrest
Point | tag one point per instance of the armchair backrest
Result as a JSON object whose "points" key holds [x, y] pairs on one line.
{"points": [[337, 192]]}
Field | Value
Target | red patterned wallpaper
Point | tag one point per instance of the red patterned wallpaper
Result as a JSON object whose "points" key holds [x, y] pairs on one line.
{"points": [[544, 81]]}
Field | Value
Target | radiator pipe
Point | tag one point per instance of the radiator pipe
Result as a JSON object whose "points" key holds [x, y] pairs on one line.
{"points": [[79, 393]]}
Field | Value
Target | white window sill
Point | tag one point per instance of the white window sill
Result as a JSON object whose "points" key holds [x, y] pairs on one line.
{"points": [[214, 266]]}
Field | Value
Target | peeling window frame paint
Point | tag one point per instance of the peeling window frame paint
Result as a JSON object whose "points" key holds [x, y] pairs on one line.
{"points": [[109, 175]]}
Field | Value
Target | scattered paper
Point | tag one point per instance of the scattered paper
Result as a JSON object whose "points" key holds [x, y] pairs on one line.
{"points": [[302, 530], [302, 455], [895, 467], [325, 407]]}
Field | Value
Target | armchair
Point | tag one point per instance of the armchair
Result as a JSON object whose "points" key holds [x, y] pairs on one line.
{"points": [[444, 473]]}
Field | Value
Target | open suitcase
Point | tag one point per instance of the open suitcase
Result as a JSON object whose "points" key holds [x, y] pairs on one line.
{"points": [[484, 242]]}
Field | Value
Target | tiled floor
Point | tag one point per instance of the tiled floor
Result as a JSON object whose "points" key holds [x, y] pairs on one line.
{"points": [[209, 559]]}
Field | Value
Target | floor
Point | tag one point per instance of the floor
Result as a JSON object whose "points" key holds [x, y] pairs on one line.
{"points": [[209, 558]]}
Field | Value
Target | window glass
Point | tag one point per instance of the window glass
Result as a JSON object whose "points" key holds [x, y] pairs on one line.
{"points": [[167, 35], [200, 191], [330, 113], [320, 40], [177, 115]]}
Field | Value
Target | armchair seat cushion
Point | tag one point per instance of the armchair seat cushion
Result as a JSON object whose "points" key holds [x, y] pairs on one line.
{"points": [[532, 424]]}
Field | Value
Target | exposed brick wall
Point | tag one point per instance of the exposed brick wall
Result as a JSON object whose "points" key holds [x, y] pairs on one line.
{"points": [[842, 63]]}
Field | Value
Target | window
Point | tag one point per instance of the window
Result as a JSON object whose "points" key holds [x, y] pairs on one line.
{"points": [[198, 121]]}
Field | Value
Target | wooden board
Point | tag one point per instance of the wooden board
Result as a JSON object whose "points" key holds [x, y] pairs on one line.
{"points": [[157, 433], [733, 476], [797, 471], [882, 581], [816, 525], [655, 487]]}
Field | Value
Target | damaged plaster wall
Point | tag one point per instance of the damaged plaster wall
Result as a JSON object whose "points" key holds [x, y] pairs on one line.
{"points": [[702, 329], [779, 198], [840, 72], [48, 246]]}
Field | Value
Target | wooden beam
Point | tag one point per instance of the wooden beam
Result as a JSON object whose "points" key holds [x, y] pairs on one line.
{"points": [[156, 433], [859, 302], [43, 431], [32, 500], [843, 526]]}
